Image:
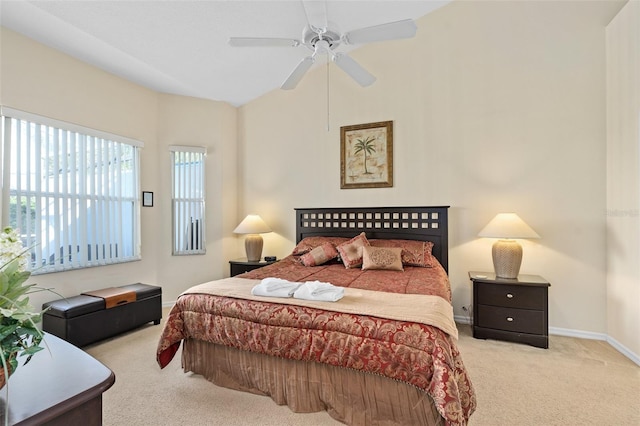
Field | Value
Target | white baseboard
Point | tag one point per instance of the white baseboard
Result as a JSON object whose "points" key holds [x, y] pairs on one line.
{"points": [[623, 350], [577, 333], [597, 336], [463, 319]]}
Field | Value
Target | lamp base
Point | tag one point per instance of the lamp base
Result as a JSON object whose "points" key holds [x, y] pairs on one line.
{"points": [[507, 258], [253, 247]]}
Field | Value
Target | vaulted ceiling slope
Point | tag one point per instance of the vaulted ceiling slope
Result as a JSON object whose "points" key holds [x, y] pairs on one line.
{"points": [[181, 47]]}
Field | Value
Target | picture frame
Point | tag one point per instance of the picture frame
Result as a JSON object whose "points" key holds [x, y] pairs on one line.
{"points": [[147, 199], [366, 155]]}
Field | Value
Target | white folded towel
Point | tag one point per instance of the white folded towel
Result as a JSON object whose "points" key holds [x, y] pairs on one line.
{"points": [[316, 290], [275, 287]]}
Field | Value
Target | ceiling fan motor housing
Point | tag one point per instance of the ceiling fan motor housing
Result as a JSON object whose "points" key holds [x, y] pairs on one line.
{"points": [[310, 37]]}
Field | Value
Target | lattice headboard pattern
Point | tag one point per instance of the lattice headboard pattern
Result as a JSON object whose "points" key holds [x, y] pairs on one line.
{"points": [[408, 223]]}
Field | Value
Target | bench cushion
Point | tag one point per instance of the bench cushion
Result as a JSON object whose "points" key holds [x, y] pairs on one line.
{"points": [[74, 306], [143, 291]]}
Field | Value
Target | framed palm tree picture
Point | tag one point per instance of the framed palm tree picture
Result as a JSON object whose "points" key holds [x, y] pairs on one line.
{"points": [[366, 155]]}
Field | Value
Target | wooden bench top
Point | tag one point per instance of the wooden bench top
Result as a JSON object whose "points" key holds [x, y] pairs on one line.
{"points": [[113, 296]]}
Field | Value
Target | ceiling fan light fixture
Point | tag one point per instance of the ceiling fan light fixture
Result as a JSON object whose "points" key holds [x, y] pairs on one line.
{"points": [[322, 46]]}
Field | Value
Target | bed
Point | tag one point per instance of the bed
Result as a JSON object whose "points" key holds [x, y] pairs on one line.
{"points": [[384, 354]]}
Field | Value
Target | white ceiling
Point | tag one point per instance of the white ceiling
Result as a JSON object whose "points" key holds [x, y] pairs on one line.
{"points": [[180, 47]]}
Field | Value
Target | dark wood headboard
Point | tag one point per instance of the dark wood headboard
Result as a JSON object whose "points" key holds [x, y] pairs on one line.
{"points": [[406, 223]]}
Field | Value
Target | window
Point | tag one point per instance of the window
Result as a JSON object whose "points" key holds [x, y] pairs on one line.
{"points": [[72, 192], [188, 200]]}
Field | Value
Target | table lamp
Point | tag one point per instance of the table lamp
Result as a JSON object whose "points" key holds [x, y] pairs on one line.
{"points": [[253, 225], [507, 252]]}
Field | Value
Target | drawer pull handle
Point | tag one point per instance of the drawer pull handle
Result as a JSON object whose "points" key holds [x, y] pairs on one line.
{"points": [[510, 319], [509, 296]]}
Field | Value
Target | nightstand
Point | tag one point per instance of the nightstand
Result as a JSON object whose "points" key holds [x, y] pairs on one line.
{"points": [[516, 310], [240, 266]]}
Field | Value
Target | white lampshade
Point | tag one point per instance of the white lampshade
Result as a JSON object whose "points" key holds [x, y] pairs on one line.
{"points": [[506, 252], [507, 225], [252, 225]]}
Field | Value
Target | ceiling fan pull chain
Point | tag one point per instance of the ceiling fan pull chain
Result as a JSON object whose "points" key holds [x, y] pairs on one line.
{"points": [[328, 126]]}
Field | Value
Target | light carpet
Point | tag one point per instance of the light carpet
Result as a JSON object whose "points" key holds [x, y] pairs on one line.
{"points": [[574, 382]]}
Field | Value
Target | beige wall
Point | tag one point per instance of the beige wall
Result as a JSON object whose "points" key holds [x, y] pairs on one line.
{"points": [[197, 122], [497, 106], [40, 80], [623, 178]]}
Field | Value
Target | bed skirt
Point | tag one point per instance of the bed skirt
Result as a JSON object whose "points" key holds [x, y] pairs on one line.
{"points": [[348, 396]]}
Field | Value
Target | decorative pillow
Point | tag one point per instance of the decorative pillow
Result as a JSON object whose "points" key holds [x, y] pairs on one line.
{"points": [[388, 258], [351, 251], [414, 253], [319, 255], [309, 243]]}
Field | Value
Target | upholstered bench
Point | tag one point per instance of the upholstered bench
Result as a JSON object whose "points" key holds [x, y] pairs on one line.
{"points": [[99, 314]]}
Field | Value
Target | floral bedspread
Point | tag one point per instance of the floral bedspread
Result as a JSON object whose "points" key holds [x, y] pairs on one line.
{"points": [[420, 355]]}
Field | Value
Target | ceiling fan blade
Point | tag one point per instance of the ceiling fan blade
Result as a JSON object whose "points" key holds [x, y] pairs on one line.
{"points": [[262, 42], [351, 67], [294, 78], [391, 31], [316, 14]]}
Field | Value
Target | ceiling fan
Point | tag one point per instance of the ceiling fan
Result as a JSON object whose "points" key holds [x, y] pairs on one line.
{"points": [[324, 39]]}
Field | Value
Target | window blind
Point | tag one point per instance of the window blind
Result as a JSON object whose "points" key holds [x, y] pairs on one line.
{"points": [[188, 200], [72, 192]]}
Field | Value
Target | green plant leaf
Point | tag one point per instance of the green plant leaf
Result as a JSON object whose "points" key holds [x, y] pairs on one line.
{"points": [[31, 350], [13, 363], [19, 334], [6, 331], [4, 282]]}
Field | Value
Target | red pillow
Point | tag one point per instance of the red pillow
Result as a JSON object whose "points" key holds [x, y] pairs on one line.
{"points": [[351, 251], [309, 243], [319, 255]]}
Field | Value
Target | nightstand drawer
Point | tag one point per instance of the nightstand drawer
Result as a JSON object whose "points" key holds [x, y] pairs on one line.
{"points": [[241, 266], [508, 319], [512, 296]]}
